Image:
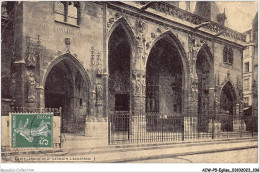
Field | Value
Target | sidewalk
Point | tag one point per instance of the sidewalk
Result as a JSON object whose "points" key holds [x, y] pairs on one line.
{"points": [[146, 153], [138, 152]]}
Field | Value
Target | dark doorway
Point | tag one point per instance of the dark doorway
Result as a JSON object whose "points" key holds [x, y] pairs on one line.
{"points": [[65, 88], [227, 104], [119, 83], [119, 70], [164, 82], [122, 102], [54, 100]]}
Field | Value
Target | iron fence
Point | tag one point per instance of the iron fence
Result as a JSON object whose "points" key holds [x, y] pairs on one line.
{"points": [[148, 127], [55, 111]]}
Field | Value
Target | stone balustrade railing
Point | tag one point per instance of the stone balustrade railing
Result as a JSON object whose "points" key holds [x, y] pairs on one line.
{"points": [[194, 19]]}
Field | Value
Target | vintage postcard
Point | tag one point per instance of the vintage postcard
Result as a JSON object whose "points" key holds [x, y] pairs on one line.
{"points": [[129, 82]]}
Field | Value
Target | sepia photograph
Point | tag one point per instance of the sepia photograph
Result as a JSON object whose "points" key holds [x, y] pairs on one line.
{"points": [[129, 82]]}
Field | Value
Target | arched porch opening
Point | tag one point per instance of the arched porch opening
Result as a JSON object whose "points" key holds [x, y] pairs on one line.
{"points": [[204, 69], [119, 57], [165, 79], [66, 87], [227, 107]]}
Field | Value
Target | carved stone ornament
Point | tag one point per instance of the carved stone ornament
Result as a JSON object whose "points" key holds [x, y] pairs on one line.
{"points": [[171, 10], [153, 35], [31, 58], [67, 43], [92, 54], [159, 30], [99, 93], [31, 88], [148, 45], [118, 15], [138, 83], [140, 26], [110, 22], [99, 65], [143, 86]]}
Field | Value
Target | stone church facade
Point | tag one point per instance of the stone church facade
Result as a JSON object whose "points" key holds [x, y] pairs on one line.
{"points": [[96, 58]]}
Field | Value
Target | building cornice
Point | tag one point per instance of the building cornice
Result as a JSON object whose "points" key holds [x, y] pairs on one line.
{"points": [[208, 32]]}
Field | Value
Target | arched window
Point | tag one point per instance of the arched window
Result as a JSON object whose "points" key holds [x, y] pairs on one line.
{"points": [[228, 55], [68, 12]]}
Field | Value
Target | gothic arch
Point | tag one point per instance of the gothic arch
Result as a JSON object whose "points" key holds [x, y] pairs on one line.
{"points": [[71, 58], [205, 76], [227, 107], [67, 85], [172, 38], [207, 51], [120, 46], [232, 89], [127, 28], [210, 59]]}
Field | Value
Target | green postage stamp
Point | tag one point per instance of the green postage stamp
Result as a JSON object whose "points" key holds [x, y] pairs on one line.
{"points": [[31, 130]]}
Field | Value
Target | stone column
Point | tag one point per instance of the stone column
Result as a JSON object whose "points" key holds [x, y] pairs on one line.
{"points": [[211, 127], [89, 129], [99, 88], [217, 125], [19, 73], [137, 121], [40, 95], [191, 117], [211, 111], [138, 117], [20, 87]]}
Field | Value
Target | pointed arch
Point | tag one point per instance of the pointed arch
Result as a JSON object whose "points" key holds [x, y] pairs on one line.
{"points": [[73, 60], [126, 27], [227, 106], [60, 91], [206, 49], [230, 85], [173, 39], [169, 43], [205, 76], [120, 46]]}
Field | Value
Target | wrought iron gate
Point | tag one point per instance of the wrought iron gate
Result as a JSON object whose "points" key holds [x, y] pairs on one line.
{"points": [[144, 127], [153, 127]]}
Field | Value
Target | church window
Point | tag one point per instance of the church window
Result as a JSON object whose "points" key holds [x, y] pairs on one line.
{"points": [[246, 84], [246, 67], [67, 12], [228, 55]]}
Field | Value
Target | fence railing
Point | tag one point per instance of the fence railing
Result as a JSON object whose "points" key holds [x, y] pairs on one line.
{"points": [[153, 127], [56, 111]]}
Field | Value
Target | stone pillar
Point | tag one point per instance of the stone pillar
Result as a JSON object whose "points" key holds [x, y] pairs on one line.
{"points": [[20, 80], [137, 124], [214, 123], [191, 116], [40, 95], [19, 73], [190, 126], [96, 123], [138, 117], [238, 122], [211, 126]]}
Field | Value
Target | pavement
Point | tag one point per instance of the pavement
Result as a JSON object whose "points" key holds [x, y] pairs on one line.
{"points": [[142, 152]]}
